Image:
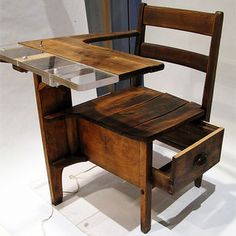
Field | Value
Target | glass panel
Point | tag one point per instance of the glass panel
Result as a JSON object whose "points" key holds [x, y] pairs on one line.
{"points": [[81, 77], [56, 71], [14, 53]]}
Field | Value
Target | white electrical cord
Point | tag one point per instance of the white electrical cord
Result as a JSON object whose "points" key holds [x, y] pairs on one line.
{"points": [[75, 177], [45, 220], [77, 184]]}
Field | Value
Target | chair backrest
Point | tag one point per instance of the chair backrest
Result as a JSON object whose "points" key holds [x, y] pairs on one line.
{"points": [[209, 24]]}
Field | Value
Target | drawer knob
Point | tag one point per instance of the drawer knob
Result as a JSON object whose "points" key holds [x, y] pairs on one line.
{"points": [[200, 159]]}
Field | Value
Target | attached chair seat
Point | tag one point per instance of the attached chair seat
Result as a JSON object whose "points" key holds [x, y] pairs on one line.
{"points": [[138, 113]]}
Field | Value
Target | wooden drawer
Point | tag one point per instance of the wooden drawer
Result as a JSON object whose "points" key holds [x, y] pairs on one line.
{"points": [[192, 161]]}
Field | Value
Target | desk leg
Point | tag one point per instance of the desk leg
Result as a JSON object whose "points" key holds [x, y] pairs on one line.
{"points": [[146, 186], [54, 134], [198, 181]]}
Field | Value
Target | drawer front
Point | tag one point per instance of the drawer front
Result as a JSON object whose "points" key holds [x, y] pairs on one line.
{"points": [[196, 159]]}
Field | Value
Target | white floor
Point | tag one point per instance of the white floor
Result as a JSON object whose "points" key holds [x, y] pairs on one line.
{"points": [[105, 205]]}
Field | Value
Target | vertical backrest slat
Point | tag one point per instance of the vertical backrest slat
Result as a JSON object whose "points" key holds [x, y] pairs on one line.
{"points": [[212, 65], [141, 29], [138, 80]]}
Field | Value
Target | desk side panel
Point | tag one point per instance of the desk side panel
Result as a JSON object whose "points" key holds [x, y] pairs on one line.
{"points": [[113, 152]]}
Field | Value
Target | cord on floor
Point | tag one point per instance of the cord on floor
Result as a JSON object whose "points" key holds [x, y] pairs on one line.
{"points": [[75, 177]]}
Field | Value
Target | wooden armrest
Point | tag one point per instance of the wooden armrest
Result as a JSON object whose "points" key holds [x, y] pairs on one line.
{"points": [[98, 37]]}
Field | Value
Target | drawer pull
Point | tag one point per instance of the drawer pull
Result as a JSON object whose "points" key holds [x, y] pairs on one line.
{"points": [[200, 159]]}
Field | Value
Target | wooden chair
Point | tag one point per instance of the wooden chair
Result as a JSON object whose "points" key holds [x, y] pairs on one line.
{"points": [[116, 131]]}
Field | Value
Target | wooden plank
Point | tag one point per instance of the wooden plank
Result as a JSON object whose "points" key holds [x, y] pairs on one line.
{"points": [[139, 113], [162, 179], [67, 161], [151, 129], [196, 159], [113, 152], [75, 48], [60, 141], [141, 29], [17, 68], [54, 135], [187, 134], [113, 103], [146, 185], [212, 65], [139, 80], [174, 55], [130, 117], [192, 21]]}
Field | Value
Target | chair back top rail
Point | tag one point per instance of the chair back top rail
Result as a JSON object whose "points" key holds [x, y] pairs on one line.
{"points": [[192, 21]]}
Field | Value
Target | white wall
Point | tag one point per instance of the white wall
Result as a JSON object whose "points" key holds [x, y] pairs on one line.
{"points": [[31, 19], [188, 83], [19, 21], [21, 152]]}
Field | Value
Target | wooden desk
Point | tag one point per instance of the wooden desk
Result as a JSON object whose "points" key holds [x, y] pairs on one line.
{"points": [[61, 136], [77, 134]]}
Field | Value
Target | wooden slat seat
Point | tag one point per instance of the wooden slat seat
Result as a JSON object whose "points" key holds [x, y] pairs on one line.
{"points": [[138, 113]]}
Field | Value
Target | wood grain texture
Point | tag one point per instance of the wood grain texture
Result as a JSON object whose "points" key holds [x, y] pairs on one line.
{"points": [[111, 151], [59, 137], [151, 129], [141, 28], [51, 100], [76, 48], [212, 65], [116, 131], [187, 134], [145, 111], [209, 24], [189, 164], [179, 56], [186, 168], [146, 185], [187, 20], [124, 157], [162, 179], [113, 103], [198, 181], [138, 113]]}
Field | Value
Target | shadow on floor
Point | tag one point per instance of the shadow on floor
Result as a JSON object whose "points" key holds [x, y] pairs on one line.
{"points": [[119, 200]]}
